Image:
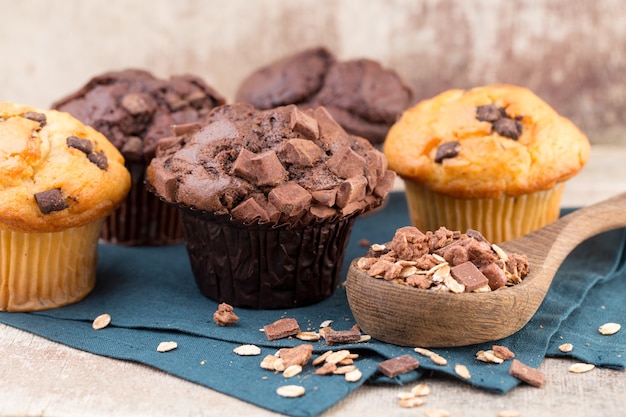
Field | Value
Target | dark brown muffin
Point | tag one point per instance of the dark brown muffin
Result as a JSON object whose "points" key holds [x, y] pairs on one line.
{"points": [[134, 109], [268, 199], [365, 98]]}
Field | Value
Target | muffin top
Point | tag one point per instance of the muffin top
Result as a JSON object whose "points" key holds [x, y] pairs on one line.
{"points": [[133, 109], [279, 166], [365, 98], [55, 172], [485, 142]]}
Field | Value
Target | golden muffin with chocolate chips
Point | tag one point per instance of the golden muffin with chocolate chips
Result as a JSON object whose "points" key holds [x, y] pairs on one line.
{"points": [[59, 179], [492, 158]]}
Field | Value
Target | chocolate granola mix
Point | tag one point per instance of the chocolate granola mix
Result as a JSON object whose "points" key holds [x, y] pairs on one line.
{"points": [[444, 260]]}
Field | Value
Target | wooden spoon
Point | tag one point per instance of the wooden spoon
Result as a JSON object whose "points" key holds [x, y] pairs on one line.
{"points": [[409, 316]]}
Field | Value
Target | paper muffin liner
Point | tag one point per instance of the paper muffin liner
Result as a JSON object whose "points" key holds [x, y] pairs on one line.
{"points": [[497, 219], [143, 218], [39, 271], [261, 266]]}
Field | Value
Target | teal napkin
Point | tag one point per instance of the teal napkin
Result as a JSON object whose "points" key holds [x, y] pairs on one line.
{"points": [[151, 296]]}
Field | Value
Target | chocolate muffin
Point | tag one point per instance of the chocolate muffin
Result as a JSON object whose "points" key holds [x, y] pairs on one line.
{"points": [[134, 109], [365, 98], [268, 200]]}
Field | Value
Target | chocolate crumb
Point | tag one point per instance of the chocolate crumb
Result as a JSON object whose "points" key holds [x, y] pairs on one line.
{"points": [[488, 113], [398, 365], [50, 201], [98, 158], [83, 145], [225, 315], [447, 150], [36, 117]]}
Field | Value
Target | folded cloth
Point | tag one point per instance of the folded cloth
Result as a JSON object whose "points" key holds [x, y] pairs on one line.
{"points": [[151, 296]]}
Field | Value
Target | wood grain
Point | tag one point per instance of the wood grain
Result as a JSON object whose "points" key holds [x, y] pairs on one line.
{"points": [[408, 316]]}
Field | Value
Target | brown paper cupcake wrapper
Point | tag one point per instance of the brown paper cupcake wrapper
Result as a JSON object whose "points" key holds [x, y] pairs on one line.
{"points": [[497, 219], [264, 266], [39, 271], [143, 218]]}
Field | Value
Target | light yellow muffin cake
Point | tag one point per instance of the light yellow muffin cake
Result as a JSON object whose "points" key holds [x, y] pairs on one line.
{"points": [[492, 158], [59, 179]]}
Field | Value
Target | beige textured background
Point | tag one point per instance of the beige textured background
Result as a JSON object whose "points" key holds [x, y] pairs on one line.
{"points": [[571, 52]]}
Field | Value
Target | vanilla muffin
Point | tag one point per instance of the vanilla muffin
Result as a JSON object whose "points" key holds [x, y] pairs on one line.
{"points": [[59, 179], [492, 158], [268, 199]]}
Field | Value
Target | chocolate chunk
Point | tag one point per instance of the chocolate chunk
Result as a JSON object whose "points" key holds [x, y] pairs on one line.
{"points": [[300, 152], [343, 336], [137, 104], [346, 163], [304, 124], [488, 113], [398, 365], [290, 198], [351, 190], [322, 212], [325, 197], [260, 169], [98, 158], [133, 149], [447, 150], [527, 374], [468, 275], [508, 128], [281, 328], [250, 210], [36, 117], [495, 274], [83, 145], [298, 355], [476, 235], [385, 184], [185, 129], [50, 200]]}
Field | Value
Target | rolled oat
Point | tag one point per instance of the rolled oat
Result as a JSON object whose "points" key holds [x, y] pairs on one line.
{"points": [[102, 321], [291, 391], [608, 329]]}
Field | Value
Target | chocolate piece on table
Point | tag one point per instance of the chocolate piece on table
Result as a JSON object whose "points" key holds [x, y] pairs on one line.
{"points": [[527, 374], [447, 150], [398, 365], [281, 328], [298, 355], [343, 336], [225, 315], [50, 200], [468, 275], [83, 145]]}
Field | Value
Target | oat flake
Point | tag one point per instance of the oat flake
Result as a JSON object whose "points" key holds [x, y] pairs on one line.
{"points": [[247, 350], [290, 391], [579, 368], [566, 347], [102, 321], [608, 329], [166, 346]]}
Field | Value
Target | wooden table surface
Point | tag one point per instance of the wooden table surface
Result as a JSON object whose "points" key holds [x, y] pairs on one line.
{"points": [[43, 378]]}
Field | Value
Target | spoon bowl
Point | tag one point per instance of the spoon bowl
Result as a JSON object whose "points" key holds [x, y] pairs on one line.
{"points": [[408, 316]]}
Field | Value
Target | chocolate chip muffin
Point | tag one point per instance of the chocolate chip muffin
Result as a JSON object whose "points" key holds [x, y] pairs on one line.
{"points": [[134, 109], [59, 179], [365, 98], [268, 199], [492, 158]]}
